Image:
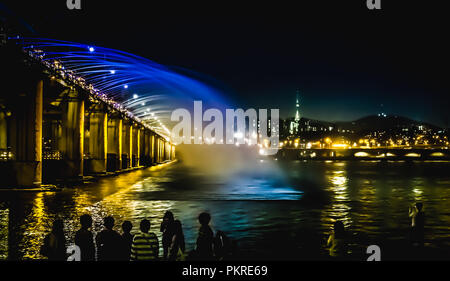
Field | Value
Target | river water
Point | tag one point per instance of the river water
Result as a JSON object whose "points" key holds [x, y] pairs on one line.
{"points": [[275, 210]]}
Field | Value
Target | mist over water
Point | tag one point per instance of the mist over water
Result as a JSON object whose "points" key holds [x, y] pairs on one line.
{"points": [[235, 173]]}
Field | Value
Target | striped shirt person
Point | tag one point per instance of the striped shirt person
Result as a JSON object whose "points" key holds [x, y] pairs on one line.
{"points": [[145, 245]]}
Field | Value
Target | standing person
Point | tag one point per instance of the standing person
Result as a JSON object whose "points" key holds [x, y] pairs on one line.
{"points": [[205, 238], [337, 240], [167, 232], [177, 247], [85, 240], [417, 224], [54, 247], [109, 242], [127, 239], [145, 245]]}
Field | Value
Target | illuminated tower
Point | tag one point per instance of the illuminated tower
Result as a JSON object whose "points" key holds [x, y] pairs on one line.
{"points": [[294, 124]]}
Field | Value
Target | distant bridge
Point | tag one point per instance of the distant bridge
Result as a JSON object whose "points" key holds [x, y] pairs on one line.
{"points": [[365, 154]]}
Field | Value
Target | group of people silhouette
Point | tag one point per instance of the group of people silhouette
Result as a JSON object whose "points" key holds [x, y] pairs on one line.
{"points": [[109, 245]]}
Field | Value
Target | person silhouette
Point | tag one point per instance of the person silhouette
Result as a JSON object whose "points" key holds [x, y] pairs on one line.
{"points": [[109, 242], [417, 224], [337, 240], [205, 238], [54, 246], [177, 247], [224, 247], [167, 232], [85, 240], [145, 245], [127, 238]]}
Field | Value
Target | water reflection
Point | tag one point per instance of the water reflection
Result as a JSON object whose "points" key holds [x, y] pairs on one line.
{"points": [[278, 211], [4, 221], [337, 185]]}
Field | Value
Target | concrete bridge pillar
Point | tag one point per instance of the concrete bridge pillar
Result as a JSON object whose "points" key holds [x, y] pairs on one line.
{"points": [[173, 156], [156, 149], [160, 150], [71, 143], [127, 142], [98, 141], [166, 150], [136, 145], [26, 137], [144, 145], [115, 139], [152, 148], [3, 131], [163, 150]]}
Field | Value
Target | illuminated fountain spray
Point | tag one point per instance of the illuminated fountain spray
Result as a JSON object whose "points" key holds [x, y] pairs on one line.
{"points": [[140, 88]]}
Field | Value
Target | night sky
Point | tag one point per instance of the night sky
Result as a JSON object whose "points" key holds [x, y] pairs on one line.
{"points": [[347, 61]]}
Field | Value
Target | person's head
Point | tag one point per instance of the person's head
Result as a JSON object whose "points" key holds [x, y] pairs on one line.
{"points": [[177, 229], [58, 226], [419, 206], [108, 222], [339, 228], [86, 221], [204, 218], [145, 225], [168, 216], [127, 226]]}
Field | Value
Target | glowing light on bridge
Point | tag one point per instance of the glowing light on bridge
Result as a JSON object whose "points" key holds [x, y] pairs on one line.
{"points": [[109, 74]]}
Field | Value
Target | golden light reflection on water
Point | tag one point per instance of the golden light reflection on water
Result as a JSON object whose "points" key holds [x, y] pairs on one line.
{"points": [[4, 222], [418, 194], [120, 202], [108, 198], [337, 185], [123, 208], [36, 225]]}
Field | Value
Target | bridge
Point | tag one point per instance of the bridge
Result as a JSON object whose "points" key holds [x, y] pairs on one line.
{"points": [[364, 154], [59, 120]]}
